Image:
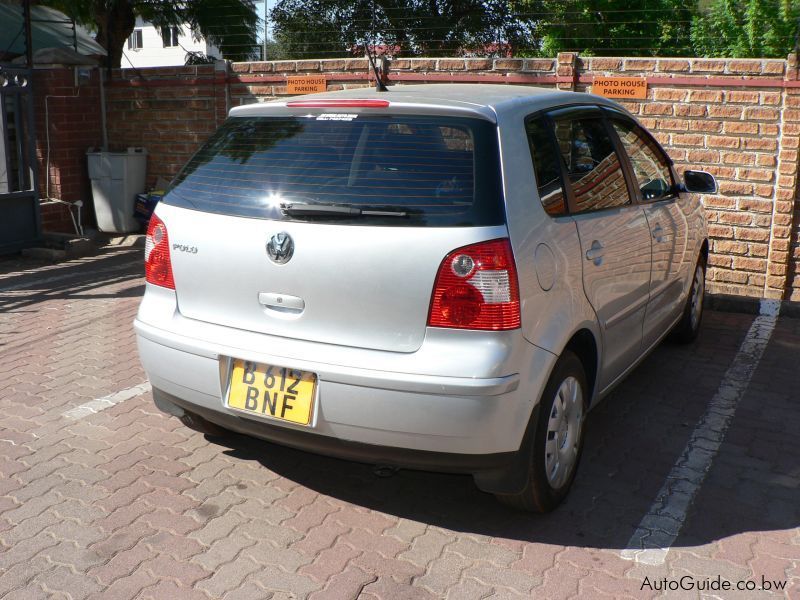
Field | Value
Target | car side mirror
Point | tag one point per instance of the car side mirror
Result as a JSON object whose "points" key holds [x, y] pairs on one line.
{"points": [[699, 182]]}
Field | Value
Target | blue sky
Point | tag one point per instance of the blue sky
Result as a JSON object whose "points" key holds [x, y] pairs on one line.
{"points": [[270, 4]]}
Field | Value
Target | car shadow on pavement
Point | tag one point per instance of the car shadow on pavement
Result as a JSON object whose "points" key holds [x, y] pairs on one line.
{"points": [[634, 438], [22, 284]]}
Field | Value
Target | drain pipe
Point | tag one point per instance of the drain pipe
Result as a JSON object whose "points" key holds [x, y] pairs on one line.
{"points": [[103, 126]]}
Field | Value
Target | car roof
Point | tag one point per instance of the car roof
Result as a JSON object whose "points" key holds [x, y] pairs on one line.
{"points": [[485, 100]]}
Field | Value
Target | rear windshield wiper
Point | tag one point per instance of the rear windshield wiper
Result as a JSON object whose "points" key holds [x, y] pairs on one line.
{"points": [[302, 209]]}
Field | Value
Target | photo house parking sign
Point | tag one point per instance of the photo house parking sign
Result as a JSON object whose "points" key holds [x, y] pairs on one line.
{"points": [[620, 87]]}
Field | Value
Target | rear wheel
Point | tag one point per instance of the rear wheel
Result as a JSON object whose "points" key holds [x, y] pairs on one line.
{"points": [[689, 326], [558, 441]]}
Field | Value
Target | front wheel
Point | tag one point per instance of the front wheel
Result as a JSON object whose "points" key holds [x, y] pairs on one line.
{"points": [[689, 326], [558, 441]]}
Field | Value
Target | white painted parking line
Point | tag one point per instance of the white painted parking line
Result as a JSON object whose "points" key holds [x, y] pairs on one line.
{"points": [[95, 406], [659, 528]]}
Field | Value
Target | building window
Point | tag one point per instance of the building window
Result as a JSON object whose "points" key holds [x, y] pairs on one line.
{"points": [[135, 40], [170, 36]]}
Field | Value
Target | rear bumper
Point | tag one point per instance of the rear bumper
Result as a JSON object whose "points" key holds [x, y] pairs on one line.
{"points": [[406, 417], [338, 448]]}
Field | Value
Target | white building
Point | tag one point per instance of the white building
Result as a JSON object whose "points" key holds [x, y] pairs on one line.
{"points": [[149, 46]]}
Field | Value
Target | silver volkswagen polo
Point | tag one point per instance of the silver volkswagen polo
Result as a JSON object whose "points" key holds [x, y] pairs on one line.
{"points": [[442, 277]]}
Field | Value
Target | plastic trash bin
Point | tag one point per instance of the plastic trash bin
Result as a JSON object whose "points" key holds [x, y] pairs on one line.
{"points": [[117, 177]]}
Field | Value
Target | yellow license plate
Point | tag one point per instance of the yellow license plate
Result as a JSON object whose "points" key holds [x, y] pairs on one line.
{"points": [[270, 391]]}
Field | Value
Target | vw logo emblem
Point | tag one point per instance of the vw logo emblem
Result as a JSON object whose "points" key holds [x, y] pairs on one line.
{"points": [[280, 248]]}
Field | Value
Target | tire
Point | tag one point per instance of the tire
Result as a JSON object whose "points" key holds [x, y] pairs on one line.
{"points": [[549, 479], [688, 327]]}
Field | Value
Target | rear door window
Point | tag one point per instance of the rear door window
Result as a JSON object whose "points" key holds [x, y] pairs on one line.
{"points": [[437, 171], [591, 164], [546, 168]]}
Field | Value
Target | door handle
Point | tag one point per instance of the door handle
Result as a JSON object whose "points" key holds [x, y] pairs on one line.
{"points": [[595, 253], [282, 302], [658, 233]]}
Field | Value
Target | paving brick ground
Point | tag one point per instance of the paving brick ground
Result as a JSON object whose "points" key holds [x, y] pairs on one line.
{"points": [[128, 503]]}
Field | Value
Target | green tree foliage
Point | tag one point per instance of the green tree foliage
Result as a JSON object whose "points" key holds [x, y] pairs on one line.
{"points": [[231, 25], [333, 28], [747, 28], [616, 27]]}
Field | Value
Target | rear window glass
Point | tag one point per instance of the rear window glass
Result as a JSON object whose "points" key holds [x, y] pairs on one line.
{"points": [[439, 171]]}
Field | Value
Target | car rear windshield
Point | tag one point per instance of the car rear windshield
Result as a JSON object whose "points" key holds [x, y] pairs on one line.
{"points": [[435, 171]]}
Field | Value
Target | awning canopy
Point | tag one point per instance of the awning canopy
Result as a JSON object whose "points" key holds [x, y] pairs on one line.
{"points": [[50, 28]]}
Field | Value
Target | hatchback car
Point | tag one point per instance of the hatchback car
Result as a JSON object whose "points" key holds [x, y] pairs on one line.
{"points": [[441, 277]]}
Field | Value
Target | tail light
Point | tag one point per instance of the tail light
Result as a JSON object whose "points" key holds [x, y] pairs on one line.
{"points": [[157, 264], [476, 288]]}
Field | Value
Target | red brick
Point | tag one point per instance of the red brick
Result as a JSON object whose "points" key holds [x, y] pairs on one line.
{"points": [[742, 96], [673, 65], [707, 66], [730, 247], [539, 64], [766, 160], [703, 156], [688, 139], [756, 174], [508, 64], [671, 94], [755, 205], [605, 64], [725, 111], [690, 110], [720, 141], [770, 129], [706, 96], [657, 108], [477, 64], [735, 187], [673, 124], [705, 125], [774, 67], [450, 64], [738, 158], [284, 66], [745, 67], [332, 65], [638, 64], [762, 113]]}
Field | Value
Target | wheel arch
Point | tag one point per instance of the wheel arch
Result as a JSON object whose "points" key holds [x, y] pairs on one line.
{"points": [[584, 345]]}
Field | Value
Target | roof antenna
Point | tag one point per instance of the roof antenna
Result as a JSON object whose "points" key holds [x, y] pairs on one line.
{"points": [[379, 85]]}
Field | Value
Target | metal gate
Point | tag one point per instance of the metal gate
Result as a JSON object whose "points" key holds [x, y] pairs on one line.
{"points": [[19, 194]]}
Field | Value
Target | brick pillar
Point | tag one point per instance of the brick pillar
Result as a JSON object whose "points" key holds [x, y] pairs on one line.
{"points": [[790, 144], [786, 189], [221, 91], [567, 67]]}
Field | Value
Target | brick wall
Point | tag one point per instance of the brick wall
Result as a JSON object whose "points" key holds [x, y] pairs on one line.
{"points": [[170, 113], [739, 119], [70, 114]]}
